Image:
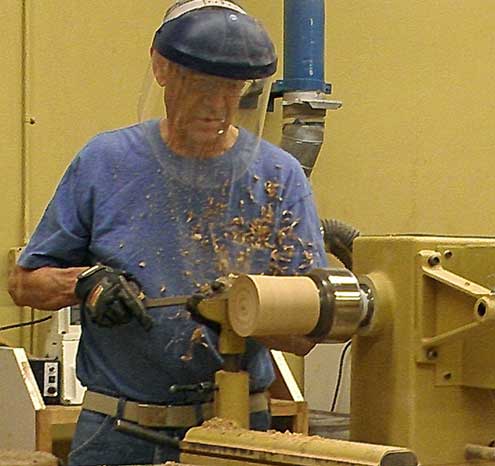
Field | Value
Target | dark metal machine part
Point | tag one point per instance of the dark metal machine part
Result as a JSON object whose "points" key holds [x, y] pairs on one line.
{"points": [[164, 302]]}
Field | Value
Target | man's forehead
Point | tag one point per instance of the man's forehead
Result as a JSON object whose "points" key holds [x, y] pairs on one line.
{"points": [[197, 76]]}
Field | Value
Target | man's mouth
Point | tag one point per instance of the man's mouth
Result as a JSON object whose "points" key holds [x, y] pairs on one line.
{"points": [[210, 119]]}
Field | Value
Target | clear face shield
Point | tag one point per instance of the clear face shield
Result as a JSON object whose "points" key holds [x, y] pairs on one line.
{"points": [[202, 117], [203, 136]]}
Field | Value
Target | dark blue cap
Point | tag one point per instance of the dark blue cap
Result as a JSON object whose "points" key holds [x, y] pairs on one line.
{"points": [[218, 41]]}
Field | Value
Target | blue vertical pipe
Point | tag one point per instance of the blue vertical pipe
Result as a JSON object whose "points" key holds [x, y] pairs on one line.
{"points": [[304, 46]]}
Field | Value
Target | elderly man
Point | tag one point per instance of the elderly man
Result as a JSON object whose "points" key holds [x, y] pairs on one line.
{"points": [[163, 208]]}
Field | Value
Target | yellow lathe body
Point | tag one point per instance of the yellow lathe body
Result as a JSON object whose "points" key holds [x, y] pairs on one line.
{"points": [[425, 381]]}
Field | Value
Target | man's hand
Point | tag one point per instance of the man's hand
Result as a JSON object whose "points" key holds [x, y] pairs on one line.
{"points": [[296, 344], [192, 306], [110, 297]]}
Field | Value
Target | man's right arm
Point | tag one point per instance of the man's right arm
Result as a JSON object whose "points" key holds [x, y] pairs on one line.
{"points": [[46, 288]]}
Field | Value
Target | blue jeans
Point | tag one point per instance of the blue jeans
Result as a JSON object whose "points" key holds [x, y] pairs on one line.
{"points": [[96, 442]]}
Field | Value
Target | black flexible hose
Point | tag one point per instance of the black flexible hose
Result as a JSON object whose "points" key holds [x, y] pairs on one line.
{"points": [[24, 324], [339, 237]]}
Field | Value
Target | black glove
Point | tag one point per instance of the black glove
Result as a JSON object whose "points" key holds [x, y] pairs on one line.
{"points": [[110, 297], [192, 306]]}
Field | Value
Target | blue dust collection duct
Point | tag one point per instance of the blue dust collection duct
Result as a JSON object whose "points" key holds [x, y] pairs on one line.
{"points": [[303, 87]]}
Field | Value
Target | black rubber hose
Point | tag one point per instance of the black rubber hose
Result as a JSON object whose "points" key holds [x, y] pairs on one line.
{"points": [[339, 237]]}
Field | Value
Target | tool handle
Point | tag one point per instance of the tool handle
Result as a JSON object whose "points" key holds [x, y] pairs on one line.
{"points": [[150, 435]]}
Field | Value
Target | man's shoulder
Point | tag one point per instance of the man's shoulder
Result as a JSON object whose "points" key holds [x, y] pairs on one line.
{"points": [[272, 153], [271, 149], [278, 163], [113, 141]]}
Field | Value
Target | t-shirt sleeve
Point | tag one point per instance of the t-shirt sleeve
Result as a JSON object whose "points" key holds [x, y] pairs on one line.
{"points": [[309, 249], [62, 236], [300, 245]]}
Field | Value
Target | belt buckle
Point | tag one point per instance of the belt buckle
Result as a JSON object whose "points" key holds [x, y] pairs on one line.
{"points": [[151, 415]]}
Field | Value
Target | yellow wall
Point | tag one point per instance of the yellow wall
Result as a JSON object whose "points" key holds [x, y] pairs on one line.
{"points": [[409, 151], [10, 148]]}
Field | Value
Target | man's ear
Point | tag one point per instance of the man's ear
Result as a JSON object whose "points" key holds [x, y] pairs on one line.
{"points": [[160, 67]]}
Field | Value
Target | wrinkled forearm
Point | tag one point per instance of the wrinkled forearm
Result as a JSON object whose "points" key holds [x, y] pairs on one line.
{"points": [[46, 288], [298, 345]]}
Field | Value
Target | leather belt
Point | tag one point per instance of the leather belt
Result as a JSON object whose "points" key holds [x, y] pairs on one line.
{"points": [[151, 415]]}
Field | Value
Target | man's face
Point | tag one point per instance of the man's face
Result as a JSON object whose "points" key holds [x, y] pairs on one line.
{"points": [[200, 108]]}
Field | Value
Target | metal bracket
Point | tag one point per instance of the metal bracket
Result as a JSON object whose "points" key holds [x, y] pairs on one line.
{"points": [[316, 100], [483, 314], [13, 256]]}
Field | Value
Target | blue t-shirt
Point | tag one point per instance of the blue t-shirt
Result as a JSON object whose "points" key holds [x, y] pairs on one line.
{"points": [[175, 224]]}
